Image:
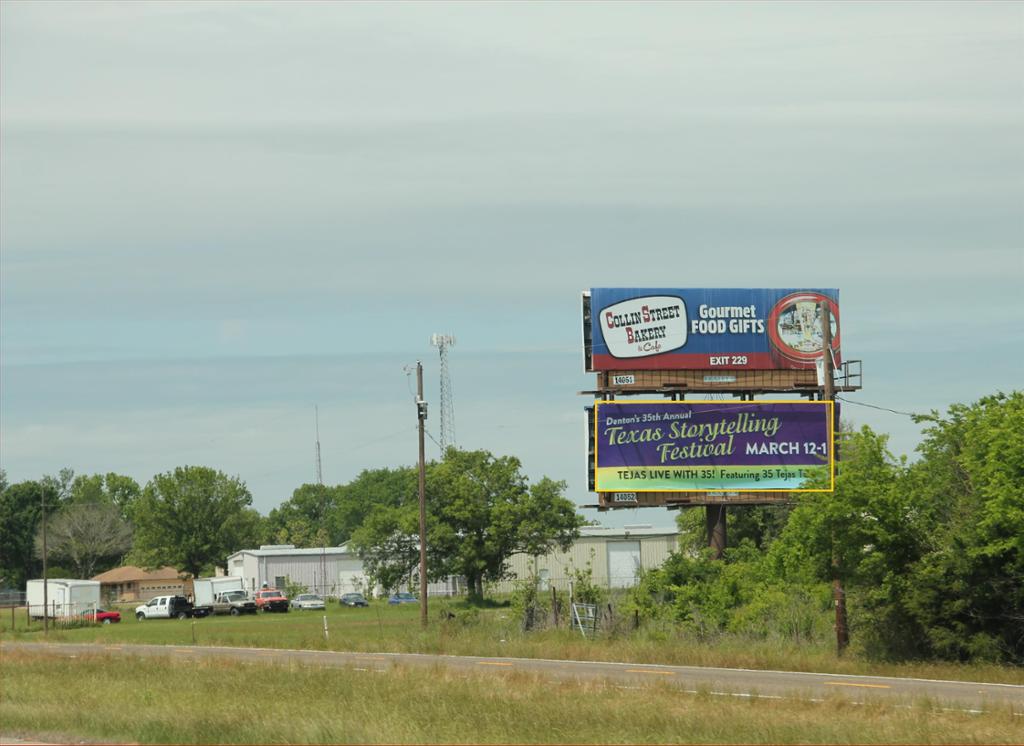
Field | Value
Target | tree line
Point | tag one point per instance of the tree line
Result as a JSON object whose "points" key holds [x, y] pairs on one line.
{"points": [[482, 509], [930, 553]]}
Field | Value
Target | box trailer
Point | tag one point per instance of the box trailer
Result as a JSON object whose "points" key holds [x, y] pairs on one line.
{"points": [[64, 597]]}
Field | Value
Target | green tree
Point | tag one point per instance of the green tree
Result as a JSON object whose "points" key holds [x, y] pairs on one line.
{"points": [[388, 545], [192, 518], [967, 591], [20, 511], [308, 518], [864, 534], [372, 489], [482, 511], [113, 489]]}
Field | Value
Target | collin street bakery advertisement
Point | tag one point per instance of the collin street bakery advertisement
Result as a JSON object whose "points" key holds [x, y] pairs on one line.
{"points": [[709, 328]]}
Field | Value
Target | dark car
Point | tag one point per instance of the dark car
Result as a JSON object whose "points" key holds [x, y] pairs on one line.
{"points": [[403, 598], [100, 616], [354, 599]]}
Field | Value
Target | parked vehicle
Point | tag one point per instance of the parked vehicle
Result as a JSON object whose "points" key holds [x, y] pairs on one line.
{"points": [[64, 597], [307, 601], [221, 596], [101, 616], [271, 599], [165, 607], [354, 599], [403, 598], [234, 603]]}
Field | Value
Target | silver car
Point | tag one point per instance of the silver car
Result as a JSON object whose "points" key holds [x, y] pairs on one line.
{"points": [[308, 601]]}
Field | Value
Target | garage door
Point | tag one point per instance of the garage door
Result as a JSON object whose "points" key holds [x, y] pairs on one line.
{"points": [[623, 563]]}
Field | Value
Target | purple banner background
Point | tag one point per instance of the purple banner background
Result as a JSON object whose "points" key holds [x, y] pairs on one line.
{"points": [[798, 423]]}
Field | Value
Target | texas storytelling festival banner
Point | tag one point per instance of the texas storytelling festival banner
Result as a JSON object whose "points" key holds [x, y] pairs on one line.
{"points": [[680, 446]]}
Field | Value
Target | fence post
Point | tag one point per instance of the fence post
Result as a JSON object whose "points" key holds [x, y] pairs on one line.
{"points": [[554, 606]]}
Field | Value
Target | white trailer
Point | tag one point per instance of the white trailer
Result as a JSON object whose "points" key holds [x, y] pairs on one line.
{"points": [[64, 597], [206, 590]]}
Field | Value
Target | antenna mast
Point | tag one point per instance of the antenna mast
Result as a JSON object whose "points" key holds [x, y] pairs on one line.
{"points": [[319, 466], [442, 342], [323, 507]]}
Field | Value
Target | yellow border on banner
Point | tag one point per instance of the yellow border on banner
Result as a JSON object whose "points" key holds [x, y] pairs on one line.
{"points": [[830, 427]]}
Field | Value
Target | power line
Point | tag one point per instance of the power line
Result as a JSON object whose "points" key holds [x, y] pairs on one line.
{"points": [[875, 406]]}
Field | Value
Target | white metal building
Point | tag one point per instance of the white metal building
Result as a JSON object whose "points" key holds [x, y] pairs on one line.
{"points": [[328, 571], [615, 555]]}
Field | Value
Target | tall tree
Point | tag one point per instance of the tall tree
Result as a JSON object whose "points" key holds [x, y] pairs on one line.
{"points": [[967, 590], [114, 489], [193, 518], [308, 518], [372, 489], [20, 511], [480, 511], [85, 534], [388, 545]]}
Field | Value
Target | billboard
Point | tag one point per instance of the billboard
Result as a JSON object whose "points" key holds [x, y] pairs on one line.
{"points": [[706, 328], [701, 446]]}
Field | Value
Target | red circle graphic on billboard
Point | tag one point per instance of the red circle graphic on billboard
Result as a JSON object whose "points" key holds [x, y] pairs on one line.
{"points": [[794, 326]]}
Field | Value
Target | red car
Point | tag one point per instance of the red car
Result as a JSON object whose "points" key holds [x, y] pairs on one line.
{"points": [[271, 599], [102, 617]]}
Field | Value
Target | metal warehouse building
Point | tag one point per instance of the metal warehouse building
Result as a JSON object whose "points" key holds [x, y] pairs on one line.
{"points": [[329, 571], [615, 555]]}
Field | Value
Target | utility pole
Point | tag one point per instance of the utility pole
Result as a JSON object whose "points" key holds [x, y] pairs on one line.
{"points": [[421, 415], [46, 598], [828, 393]]}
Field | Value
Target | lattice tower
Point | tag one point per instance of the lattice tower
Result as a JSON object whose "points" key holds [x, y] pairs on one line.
{"points": [[442, 342]]}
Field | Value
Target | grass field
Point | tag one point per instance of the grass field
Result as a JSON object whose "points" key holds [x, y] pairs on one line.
{"points": [[491, 632], [153, 701]]}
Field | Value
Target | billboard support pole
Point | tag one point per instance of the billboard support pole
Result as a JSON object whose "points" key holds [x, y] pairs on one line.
{"points": [[716, 529], [828, 394]]}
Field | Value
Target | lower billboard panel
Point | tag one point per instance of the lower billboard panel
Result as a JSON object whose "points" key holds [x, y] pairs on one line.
{"points": [[708, 446]]}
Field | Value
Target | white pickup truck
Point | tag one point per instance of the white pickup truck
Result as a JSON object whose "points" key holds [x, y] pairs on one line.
{"points": [[164, 607]]}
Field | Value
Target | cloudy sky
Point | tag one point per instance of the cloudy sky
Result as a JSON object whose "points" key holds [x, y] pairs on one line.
{"points": [[216, 216]]}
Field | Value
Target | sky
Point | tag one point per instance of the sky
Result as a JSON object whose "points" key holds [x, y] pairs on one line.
{"points": [[215, 217]]}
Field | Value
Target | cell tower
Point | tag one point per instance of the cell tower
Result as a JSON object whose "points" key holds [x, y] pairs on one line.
{"points": [[442, 342]]}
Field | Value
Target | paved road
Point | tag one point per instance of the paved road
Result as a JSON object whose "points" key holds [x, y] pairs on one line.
{"points": [[735, 682]]}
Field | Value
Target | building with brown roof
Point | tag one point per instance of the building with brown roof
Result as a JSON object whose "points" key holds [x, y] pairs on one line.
{"points": [[130, 583]]}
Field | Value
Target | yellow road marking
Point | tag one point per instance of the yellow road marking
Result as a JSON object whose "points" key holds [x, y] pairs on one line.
{"points": [[863, 686], [370, 658], [646, 670], [492, 663], [183, 650]]}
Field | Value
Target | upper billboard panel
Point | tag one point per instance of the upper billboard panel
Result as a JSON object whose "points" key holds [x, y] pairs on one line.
{"points": [[708, 328]]}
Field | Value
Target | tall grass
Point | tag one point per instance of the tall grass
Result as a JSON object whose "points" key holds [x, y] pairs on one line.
{"points": [[497, 632], [168, 701]]}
